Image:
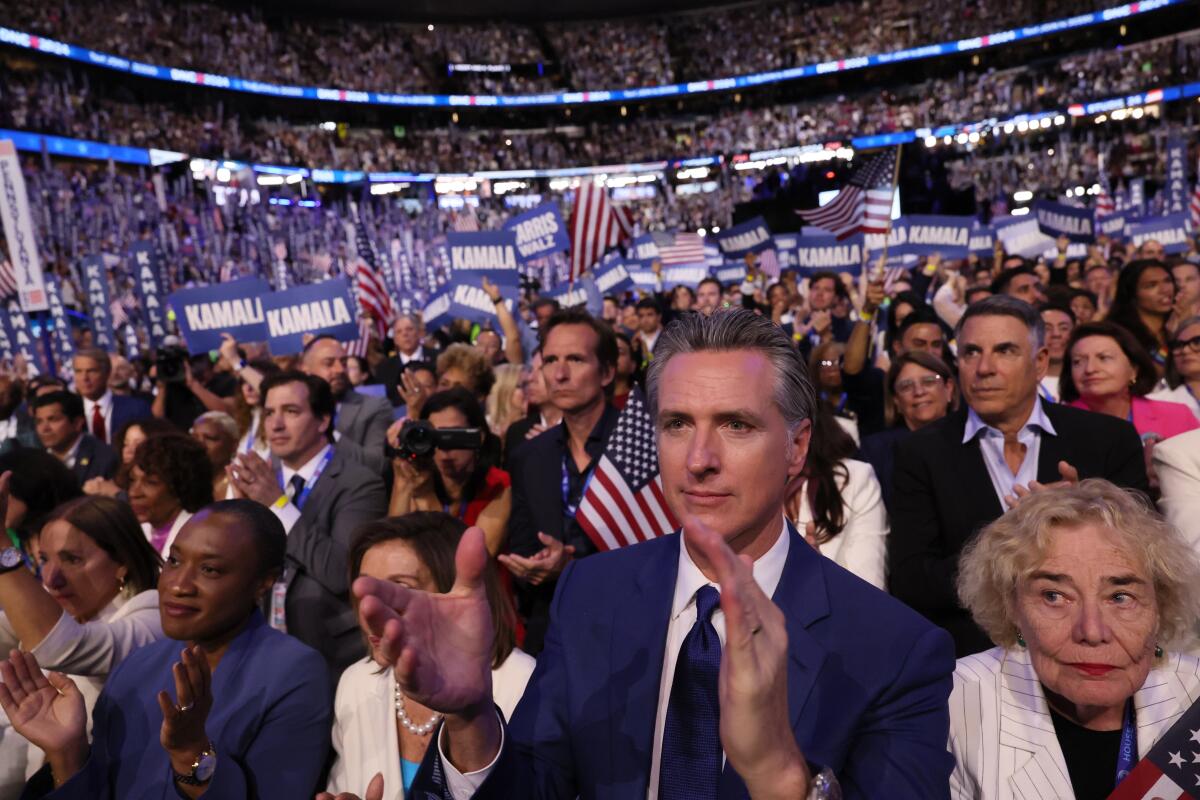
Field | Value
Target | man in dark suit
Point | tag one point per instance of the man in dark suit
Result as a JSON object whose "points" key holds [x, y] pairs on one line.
{"points": [[406, 335], [360, 418], [58, 417], [550, 472], [16, 426], [646, 688], [542, 416], [958, 474], [321, 494], [104, 412]]}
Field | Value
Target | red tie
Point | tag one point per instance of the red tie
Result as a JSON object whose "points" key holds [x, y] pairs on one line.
{"points": [[98, 423]]}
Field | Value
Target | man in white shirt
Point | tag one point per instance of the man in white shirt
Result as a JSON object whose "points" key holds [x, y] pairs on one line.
{"points": [[649, 317], [58, 417], [646, 686], [321, 495], [104, 412]]}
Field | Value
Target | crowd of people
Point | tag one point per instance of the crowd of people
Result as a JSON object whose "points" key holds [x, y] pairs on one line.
{"points": [[71, 102], [285, 574]]}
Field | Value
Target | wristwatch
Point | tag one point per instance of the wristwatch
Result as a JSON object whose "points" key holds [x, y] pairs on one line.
{"points": [[11, 558], [202, 768]]}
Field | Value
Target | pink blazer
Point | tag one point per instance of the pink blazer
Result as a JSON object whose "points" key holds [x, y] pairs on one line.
{"points": [[1157, 417]]}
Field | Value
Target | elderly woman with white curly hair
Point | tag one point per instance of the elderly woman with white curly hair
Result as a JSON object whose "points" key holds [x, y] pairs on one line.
{"points": [[1085, 590]]}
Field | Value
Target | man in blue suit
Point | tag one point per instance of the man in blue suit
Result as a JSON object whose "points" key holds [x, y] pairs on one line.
{"points": [[803, 676], [104, 412]]}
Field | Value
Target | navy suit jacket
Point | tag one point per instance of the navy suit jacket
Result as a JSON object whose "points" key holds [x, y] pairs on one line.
{"points": [[269, 723], [125, 410], [95, 459], [868, 684]]}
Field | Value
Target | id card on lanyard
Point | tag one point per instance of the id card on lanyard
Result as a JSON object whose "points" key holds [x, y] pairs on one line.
{"points": [[1127, 756], [278, 616], [302, 496], [569, 508]]}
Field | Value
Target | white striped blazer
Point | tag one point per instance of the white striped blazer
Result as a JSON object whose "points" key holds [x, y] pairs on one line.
{"points": [[1003, 739]]}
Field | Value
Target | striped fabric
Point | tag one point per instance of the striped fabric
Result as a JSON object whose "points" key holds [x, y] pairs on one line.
{"points": [[596, 225], [864, 205]]}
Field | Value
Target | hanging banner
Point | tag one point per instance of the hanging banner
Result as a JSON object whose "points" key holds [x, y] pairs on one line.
{"points": [[613, 278], [146, 277], [316, 308], [206, 312], [64, 346], [18, 231], [465, 300], [752, 236], [945, 235], [1056, 219], [982, 240], [1175, 199], [823, 252], [539, 232], [21, 337], [99, 302], [1137, 197], [477, 254], [1170, 231]]}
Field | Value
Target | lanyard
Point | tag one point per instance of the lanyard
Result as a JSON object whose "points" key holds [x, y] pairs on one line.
{"points": [[298, 500], [252, 434], [569, 509], [462, 509], [1127, 755]]}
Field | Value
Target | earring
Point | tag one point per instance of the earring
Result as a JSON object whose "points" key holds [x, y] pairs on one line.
{"points": [[1158, 651], [1021, 640]]}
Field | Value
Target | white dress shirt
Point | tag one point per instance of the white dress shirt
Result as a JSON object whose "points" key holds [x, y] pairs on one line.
{"points": [[650, 340], [289, 515], [768, 569], [72, 454], [991, 445], [416, 355], [106, 408], [8, 428]]}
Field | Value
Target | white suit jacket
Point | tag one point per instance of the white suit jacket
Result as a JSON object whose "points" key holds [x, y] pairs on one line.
{"points": [[861, 547], [364, 722], [1002, 736], [1177, 465]]}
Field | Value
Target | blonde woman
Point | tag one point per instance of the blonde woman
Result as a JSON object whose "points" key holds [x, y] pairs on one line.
{"points": [[506, 400]]}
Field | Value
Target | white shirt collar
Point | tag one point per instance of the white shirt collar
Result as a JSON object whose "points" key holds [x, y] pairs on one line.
{"points": [[306, 471], [768, 570], [1037, 419], [105, 402]]}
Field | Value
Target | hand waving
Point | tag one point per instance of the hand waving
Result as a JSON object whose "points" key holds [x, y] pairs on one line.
{"points": [[47, 711], [439, 644]]}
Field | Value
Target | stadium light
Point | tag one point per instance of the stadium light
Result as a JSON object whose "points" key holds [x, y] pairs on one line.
{"points": [[223, 174], [270, 180], [1023, 196], [1060, 120], [931, 141], [702, 232], [1009, 127], [716, 228], [1020, 212]]}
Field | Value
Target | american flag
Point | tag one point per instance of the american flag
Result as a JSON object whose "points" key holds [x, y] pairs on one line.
{"points": [[362, 344], [596, 225], [370, 289], [623, 503], [8, 279], [1171, 770], [768, 262], [1194, 203], [864, 205], [684, 248], [119, 308], [465, 221]]}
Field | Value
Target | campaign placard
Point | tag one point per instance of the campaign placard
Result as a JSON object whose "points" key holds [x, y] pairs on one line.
{"points": [[752, 236], [474, 255], [948, 236], [1113, 225], [823, 252], [643, 251], [539, 232], [1170, 231], [99, 301], [1022, 236], [688, 275], [613, 278], [463, 299], [730, 273], [1057, 219], [144, 264], [316, 308], [236, 308], [19, 232], [982, 240]]}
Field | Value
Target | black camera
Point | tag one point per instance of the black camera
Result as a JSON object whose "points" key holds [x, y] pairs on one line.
{"points": [[418, 439], [169, 364]]}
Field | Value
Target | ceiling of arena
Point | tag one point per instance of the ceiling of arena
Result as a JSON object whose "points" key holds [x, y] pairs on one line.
{"points": [[466, 10]]}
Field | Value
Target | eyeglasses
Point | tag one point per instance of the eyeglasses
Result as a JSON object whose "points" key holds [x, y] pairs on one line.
{"points": [[1192, 344], [909, 385]]}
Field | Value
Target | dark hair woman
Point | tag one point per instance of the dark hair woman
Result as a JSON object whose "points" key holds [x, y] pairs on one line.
{"points": [[415, 550], [169, 480], [1143, 303]]}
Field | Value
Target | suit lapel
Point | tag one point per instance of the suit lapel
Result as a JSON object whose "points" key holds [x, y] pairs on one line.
{"points": [[639, 639], [1027, 732], [1051, 450], [803, 598], [347, 414], [1161, 701], [972, 483]]}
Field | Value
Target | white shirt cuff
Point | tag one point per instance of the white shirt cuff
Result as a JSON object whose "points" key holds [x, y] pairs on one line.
{"points": [[464, 786], [289, 515]]}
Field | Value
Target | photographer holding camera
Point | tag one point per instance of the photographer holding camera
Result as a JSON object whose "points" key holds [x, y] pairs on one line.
{"points": [[188, 385], [438, 465]]}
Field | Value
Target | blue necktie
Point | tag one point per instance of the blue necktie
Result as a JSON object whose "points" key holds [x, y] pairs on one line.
{"points": [[690, 765]]}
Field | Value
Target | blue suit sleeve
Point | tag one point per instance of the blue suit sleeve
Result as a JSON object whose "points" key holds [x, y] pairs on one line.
{"points": [[899, 751]]}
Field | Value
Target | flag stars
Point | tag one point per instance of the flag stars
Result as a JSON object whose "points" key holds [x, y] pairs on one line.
{"points": [[1196, 736], [1196, 758], [1177, 760]]}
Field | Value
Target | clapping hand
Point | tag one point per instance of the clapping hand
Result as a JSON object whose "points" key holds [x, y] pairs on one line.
{"points": [[756, 732], [1069, 475], [253, 479], [374, 791], [182, 734], [546, 564], [46, 710]]}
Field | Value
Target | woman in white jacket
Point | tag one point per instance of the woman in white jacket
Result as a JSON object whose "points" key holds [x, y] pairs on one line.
{"points": [[837, 503], [95, 604], [377, 730]]}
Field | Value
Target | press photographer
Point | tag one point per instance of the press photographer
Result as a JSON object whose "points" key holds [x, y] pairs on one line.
{"points": [[188, 385], [438, 464]]}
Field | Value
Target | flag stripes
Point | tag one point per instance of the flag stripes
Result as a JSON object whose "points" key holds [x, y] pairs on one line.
{"points": [[596, 225]]}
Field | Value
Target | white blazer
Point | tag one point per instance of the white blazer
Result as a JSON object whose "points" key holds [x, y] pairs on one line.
{"points": [[182, 518], [861, 547], [1177, 465], [1002, 736], [364, 722]]}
